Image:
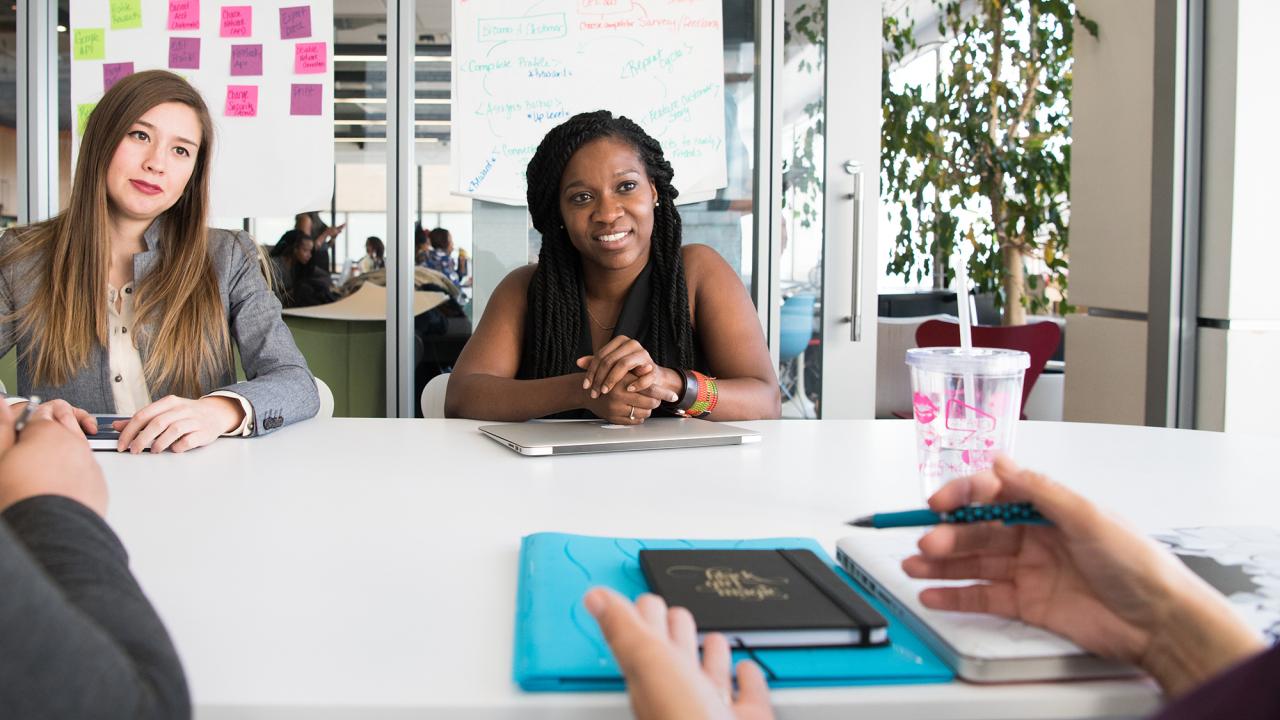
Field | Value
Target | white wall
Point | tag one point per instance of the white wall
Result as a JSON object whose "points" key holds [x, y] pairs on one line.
{"points": [[1240, 243], [1111, 107], [1111, 152]]}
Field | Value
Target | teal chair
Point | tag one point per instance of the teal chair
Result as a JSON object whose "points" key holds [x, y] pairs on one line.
{"points": [[795, 330]]}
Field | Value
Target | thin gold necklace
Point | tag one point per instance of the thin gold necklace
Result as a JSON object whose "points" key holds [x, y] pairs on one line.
{"points": [[597, 322]]}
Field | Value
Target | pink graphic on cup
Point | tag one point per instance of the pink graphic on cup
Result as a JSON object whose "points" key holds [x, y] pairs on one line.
{"points": [[968, 419], [924, 408]]}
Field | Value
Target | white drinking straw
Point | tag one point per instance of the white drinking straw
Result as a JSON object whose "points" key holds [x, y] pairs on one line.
{"points": [[966, 334], [962, 303]]}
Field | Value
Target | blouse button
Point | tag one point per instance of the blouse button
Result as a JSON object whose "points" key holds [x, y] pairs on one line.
{"points": [[119, 378], [124, 329], [128, 291]]}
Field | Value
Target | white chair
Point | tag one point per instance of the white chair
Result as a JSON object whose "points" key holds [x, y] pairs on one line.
{"points": [[894, 336], [432, 400], [326, 399]]}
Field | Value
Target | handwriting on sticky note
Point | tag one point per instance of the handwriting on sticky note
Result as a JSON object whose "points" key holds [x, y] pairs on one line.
{"points": [[126, 14], [90, 44], [295, 22], [184, 15], [246, 60], [306, 99], [112, 72], [82, 116], [310, 58], [184, 53], [237, 21], [242, 101]]}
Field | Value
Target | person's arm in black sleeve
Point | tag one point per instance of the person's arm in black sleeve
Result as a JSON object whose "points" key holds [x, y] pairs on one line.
{"points": [[78, 639]]}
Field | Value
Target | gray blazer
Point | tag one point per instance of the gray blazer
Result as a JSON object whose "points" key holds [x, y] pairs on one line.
{"points": [[279, 387]]}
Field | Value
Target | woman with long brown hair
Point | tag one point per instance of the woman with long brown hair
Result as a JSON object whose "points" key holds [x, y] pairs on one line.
{"points": [[127, 303]]}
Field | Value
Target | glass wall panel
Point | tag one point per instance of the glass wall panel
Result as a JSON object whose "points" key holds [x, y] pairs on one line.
{"points": [[803, 90], [493, 234]]}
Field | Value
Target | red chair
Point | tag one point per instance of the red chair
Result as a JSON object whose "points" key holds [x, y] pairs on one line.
{"points": [[1039, 340]]}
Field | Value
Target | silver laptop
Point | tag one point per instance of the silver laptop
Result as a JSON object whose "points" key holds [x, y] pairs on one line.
{"points": [[979, 648], [591, 436]]}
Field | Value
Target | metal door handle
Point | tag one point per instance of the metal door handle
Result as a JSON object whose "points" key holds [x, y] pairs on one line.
{"points": [[854, 318]]}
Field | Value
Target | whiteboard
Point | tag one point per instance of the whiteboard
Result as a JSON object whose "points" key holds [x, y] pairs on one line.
{"points": [[265, 70], [521, 68]]}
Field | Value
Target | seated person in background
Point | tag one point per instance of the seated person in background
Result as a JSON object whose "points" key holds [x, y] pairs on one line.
{"points": [[374, 255], [78, 638], [617, 317], [297, 281], [322, 237], [420, 245], [440, 255], [127, 295], [1088, 578]]}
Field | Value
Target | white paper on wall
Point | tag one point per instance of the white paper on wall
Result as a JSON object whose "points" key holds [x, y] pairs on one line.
{"points": [[521, 68], [265, 70]]}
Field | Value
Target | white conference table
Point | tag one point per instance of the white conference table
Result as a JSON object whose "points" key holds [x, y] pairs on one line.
{"points": [[367, 568]]}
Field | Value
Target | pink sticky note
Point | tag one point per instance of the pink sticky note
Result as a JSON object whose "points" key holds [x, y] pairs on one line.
{"points": [[246, 60], [310, 58], [305, 99], [295, 22], [242, 101], [112, 72], [184, 53], [184, 14], [237, 21]]}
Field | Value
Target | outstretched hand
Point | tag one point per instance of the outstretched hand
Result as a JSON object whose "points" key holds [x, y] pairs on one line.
{"points": [[657, 649]]}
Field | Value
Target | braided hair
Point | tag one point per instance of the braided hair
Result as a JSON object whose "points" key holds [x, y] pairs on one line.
{"points": [[556, 289]]}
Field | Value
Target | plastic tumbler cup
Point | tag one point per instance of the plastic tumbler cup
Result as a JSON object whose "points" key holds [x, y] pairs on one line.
{"points": [[966, 405]]}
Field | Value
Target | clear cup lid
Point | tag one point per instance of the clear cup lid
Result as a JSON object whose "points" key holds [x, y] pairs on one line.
{"points": [[975, 361]]}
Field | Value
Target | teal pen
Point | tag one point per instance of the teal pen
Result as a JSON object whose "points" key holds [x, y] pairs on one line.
{"points": [[1010, 513]]}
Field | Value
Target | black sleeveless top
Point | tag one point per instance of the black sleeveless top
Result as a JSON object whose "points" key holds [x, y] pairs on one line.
{"points": [[631, 323]]}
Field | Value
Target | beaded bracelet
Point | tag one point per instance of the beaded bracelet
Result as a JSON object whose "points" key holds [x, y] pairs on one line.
{"points": [[708, 395]]}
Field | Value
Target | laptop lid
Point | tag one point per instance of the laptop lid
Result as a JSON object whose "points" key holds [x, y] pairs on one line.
{"points": [[570, 438]]}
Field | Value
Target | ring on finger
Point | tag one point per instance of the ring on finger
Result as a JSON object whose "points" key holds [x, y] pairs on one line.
{"points": [[632, 414]]}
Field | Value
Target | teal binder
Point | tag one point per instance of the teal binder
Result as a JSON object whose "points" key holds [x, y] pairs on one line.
{"points": [[559, 647]]}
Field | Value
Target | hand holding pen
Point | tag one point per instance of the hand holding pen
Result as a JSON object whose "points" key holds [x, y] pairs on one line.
{"points": [[25, 416], [60, 411], [1086, 577]]}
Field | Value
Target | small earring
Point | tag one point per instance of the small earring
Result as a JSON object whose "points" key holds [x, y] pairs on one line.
{"points": [[656, 203]]}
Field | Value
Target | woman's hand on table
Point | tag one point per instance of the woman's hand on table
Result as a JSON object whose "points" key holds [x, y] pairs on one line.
{"points": [[1087, 577], [178, 424], [657, 650]]}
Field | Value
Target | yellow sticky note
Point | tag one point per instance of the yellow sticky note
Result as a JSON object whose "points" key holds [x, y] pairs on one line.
{"points": [[82, 116], [90, 44], [126, 14]]}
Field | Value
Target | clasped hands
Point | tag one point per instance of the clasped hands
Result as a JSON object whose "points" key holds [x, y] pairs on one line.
{"points": [[624, 385], [170, 423]]}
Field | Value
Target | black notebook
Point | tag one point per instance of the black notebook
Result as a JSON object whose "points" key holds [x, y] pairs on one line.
{"points": [[764, 598]]}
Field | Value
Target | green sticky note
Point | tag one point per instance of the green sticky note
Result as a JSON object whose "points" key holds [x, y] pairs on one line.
{"points": [[82, 116], [90, 44], [126, 14]]}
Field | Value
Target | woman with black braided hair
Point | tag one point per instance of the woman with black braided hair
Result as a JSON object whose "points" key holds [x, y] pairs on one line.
{"points": [[618, 318]]}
